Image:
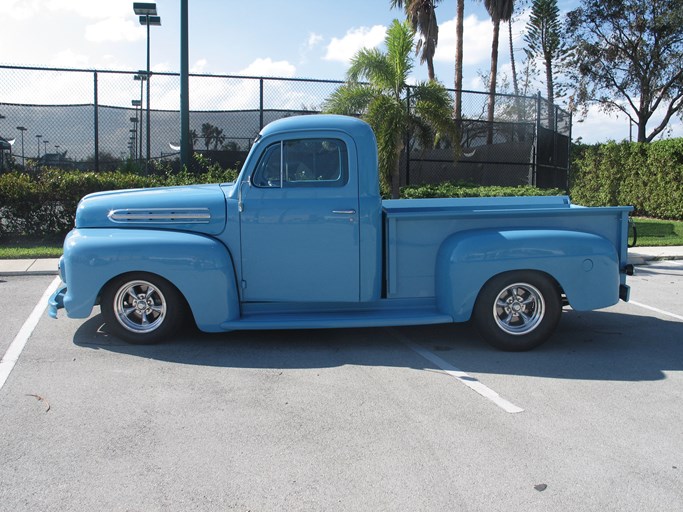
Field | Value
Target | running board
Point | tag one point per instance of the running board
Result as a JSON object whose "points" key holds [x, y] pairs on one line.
{"points": [[336, 319]]}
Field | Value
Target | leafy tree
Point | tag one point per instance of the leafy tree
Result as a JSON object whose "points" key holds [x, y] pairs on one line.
{"points": [[422, 17], [544, 38], [499, 10], [628, 59], [381, 102]]}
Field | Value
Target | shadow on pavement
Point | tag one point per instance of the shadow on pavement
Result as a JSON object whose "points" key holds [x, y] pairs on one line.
{"points": [[602, 345]]}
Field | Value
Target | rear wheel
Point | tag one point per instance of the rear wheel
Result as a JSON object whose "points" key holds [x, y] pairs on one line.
{"points": [[142, 308], [518, 311]]}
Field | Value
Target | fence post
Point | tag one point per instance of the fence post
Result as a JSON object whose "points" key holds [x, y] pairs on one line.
{"points": [[97, 124], [260, 126], [569, 153], [538, 132], [407, 142]]}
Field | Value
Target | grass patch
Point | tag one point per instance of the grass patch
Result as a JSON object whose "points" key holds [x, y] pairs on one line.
{"points": [[26, 247], [658, 233]]}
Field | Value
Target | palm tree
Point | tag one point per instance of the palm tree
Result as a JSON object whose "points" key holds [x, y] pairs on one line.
{"points": [[194, 137], [381, 101], [207, 134], [422, 17], [218, 137], [499, 10]]}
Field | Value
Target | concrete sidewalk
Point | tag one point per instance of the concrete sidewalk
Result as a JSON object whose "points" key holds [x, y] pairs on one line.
{"points": [[29, 267], [48, 266]]}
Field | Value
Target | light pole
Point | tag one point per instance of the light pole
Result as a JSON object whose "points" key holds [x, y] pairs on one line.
{"points": [[45, 143], [136, 104], [147, 13], [135, 120], [142, 77], [38, 137], [185, 144], [22, 130]]}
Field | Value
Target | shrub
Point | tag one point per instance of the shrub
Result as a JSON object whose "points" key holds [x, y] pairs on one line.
{"points": [[647, 176], [45, 203], [469, 190]]}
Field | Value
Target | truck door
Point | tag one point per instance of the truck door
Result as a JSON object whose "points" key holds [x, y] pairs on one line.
{"points": [[300, 222]]}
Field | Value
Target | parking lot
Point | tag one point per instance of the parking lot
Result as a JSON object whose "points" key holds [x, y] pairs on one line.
{"points": [[419, 418]]}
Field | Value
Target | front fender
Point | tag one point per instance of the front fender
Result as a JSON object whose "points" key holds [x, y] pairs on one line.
{"points": [[585, 265], [199, 266]]}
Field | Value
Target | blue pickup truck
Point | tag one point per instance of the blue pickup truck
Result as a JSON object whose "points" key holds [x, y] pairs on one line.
{"points": [[303, 239]]}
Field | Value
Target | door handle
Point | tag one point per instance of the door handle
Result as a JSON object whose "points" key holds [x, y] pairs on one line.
{"points": [[344, 212]]}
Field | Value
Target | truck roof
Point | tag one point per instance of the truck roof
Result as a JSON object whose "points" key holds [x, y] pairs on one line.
{"points": [[351, 125]]}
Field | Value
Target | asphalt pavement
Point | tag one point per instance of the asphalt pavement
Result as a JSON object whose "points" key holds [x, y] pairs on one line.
{"points": [[48, 266]]}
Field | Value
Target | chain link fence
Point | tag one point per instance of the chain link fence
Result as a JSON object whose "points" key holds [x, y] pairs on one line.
{"points": [[98, 120]]}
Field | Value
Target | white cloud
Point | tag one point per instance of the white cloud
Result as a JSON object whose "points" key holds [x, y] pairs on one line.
{"points": [[344, 49], [21, 9], [69, 59], [477, 35], [114, 29], [598, 126], [314, 40], [90, 9], [199, 66], [269, 67]]}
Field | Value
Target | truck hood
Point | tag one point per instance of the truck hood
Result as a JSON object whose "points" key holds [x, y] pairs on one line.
{"points": [[197, 208]]}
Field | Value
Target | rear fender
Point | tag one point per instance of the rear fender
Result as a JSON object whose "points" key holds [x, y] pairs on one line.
{"points": [[584, 265], [199, 266]]}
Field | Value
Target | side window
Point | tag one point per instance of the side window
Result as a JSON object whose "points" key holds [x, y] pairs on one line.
{"points": [[268, 171], [315, 163], [303, 163]]}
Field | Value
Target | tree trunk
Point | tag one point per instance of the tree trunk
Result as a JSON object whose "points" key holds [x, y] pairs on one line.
{"points": [[430, 69], [515, 85], [492, 80], [551, 93], [457, 109], [396, 171]]}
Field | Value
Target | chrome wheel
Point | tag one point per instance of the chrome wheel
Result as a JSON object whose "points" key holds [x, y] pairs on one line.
{"points": [[519, 309], [140, 307]]}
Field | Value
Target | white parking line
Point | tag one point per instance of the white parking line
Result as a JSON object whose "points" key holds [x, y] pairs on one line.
{"points": [[17, 346], [656, 310], [460, 375]]}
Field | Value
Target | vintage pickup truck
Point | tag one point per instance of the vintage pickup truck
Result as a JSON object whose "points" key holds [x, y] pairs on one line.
{"points": [[303, 239]]}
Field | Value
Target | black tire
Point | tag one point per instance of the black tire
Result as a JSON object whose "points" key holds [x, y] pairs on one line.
{"points": [[142, 308], [517, 311]]}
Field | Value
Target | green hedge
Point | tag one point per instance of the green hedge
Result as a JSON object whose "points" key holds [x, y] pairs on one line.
{"points": [[469, 190], [45, 203], [648, 177]]}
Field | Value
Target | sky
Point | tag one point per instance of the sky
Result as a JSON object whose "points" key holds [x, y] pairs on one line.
{"points": [[299, 38]]}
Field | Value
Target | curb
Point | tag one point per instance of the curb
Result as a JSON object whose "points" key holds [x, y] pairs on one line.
{"points": [[29, 267]]}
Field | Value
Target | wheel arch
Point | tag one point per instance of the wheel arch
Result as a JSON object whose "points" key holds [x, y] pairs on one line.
{"points": [[584, 266], [199, 267]]}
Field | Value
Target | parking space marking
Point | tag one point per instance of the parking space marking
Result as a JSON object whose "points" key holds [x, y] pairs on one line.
{"points": [[458, 374], [656, 310], [17, 346]]}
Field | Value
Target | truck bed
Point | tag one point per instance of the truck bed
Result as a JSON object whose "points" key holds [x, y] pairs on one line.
{"points": [[416, 228]]}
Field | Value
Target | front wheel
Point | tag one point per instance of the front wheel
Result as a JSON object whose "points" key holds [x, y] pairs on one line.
{"points": [[517, 311], [142, 308]]}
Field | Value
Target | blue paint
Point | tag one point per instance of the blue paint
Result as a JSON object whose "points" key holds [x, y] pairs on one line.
{"points": [[314, 246]]}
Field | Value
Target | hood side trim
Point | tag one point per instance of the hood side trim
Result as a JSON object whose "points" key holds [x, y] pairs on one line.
{"points": [[160, 215]]}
